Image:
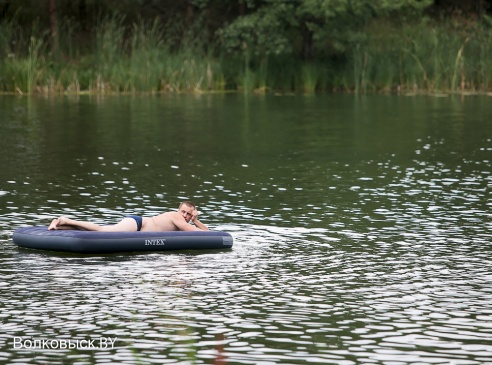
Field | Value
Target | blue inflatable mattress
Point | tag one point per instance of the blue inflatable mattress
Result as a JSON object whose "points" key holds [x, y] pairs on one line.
{"points": [[40, 237]]}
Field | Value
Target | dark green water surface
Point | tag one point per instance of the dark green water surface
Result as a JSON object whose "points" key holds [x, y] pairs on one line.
{"points": [[362, 229]]}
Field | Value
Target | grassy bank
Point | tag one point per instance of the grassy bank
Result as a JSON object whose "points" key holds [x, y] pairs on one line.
{"points": [[429, 57], [424, 57]]}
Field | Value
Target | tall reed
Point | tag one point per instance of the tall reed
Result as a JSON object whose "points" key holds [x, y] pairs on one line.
{"points": [[33, 67], [109, 54], [310, 74], [425, 56], [146, 58]]}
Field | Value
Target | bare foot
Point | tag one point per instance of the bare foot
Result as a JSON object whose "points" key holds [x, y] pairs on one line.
{"points": [[53, 224], [57, 222]]}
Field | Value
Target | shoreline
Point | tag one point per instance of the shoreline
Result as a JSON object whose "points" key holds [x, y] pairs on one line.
{"points": [[272, 92]]}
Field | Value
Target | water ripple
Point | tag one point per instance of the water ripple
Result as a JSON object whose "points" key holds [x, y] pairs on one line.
{"points": [[336, 260]]}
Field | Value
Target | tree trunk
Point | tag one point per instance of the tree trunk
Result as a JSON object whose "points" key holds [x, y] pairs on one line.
{"points": [[83, 14], [307, 45], [189, 12], [55, 49], [481, 8], [4, 8]]}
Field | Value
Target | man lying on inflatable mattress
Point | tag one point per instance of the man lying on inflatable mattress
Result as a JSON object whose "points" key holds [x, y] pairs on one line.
{"points": [[169, 221]]}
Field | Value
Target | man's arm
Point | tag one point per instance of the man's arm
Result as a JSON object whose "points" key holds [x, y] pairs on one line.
{"points": [[200, 225], [183, 225], [196, 222]]}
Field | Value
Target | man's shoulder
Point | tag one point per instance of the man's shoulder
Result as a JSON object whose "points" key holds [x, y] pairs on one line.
{"points": [[168, 221], [167, 215]]}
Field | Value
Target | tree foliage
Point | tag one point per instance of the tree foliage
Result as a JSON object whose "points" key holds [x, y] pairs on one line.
{"points": [[308, 28], [321, 44], [278, 26]]}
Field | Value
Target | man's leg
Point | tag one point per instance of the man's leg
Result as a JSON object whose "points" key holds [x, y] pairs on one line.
{"points": [[125, 225]]}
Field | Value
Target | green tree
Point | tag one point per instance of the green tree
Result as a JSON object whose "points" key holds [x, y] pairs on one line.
{"points": [[307, 27]]}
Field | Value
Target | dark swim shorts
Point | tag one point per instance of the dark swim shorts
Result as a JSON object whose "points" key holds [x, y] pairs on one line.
{"points": [[138, 219]]}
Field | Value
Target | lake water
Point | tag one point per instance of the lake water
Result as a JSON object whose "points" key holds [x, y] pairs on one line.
{"points": [[362, 229]]}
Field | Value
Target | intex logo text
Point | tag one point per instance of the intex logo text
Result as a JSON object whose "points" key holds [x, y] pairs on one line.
{"points": [[158, 242]]}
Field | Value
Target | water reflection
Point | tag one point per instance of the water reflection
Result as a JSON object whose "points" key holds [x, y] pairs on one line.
{"points": [[362, 234]]}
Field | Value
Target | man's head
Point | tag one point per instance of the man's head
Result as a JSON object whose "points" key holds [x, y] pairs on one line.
{"points": [[187, 203], [186, 210]]}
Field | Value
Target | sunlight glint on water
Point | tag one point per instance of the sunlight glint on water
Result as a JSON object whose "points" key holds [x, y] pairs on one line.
{"points": [[361, 226]]}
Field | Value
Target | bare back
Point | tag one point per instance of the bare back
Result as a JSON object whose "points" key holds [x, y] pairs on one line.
{"points": [[170, 221]]}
